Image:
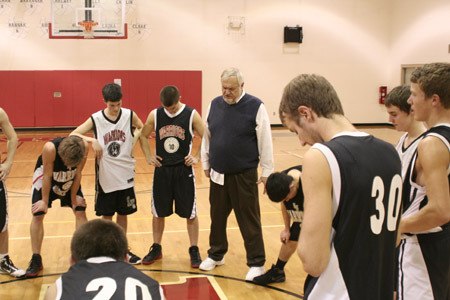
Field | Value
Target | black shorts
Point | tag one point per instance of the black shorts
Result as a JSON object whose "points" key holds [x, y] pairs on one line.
{"points": [[3, 208], [174, 183], [294, 231], [66, 200], [122, 202]]}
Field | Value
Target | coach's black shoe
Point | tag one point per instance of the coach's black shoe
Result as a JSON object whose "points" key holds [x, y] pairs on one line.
{"points": [[196, 260], [271, 276], [132, 258], [7, 267], [154, 253], [35, 266]]}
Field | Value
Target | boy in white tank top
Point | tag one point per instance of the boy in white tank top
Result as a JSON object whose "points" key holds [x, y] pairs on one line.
{"points": [[116, 131]]}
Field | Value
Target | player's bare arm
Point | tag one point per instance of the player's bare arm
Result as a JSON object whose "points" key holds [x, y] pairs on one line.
{"points": [[199, 129], [285, 233], [314, 244], [79, 201], [431, 167], [12, 142], [137, 125], [148, 128], [48, 160], [81, 131], [51, 292]]}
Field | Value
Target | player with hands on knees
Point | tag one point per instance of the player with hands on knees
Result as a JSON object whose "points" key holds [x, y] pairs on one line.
{"points": [[57, 175]]}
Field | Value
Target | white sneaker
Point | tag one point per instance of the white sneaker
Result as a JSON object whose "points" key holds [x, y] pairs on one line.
{"points": [[254, 272], [7, 267], [209, 264]]}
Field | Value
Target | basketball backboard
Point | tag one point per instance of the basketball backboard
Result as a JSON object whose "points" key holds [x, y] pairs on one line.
{"points": [[88, 19]]}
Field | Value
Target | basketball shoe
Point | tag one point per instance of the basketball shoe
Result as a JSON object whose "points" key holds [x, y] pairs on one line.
{"points": [[132, 258], [7, 267], [194, 253], [254, 272], [273, 275], [35, 266], [209, 264], [154, 253]]}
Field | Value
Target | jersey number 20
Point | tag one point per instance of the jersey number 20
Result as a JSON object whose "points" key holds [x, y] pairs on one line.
{"points": [[395, 194], [108, 286]]}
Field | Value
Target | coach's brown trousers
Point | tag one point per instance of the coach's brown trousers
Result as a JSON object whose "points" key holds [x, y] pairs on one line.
{"points": [[240, 193]]}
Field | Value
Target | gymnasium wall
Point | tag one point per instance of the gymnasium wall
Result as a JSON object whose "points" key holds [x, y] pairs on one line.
{"points": [[420, 33], [68, 98], [357, 44]]}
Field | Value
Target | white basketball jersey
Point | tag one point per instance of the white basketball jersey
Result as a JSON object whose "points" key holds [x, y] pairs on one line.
{"points": [[406, 153], [116, 167]]}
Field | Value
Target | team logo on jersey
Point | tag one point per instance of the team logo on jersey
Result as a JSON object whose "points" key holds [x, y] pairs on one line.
{"points": [[171, 145], [172, 130], [114, 149], [64, 176], [114, 135], [131, 202], [62, 191]]}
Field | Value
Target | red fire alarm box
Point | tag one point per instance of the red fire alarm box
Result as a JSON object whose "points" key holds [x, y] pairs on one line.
{"points": [[382, 94]]}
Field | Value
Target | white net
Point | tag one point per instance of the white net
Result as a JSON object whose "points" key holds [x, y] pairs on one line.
{"points": [[71, 20]]}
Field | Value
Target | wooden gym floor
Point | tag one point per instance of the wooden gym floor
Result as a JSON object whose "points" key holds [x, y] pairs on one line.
{"points": [[227, 280]]}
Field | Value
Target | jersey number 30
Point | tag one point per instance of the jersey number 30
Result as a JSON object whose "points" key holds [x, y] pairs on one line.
{"points": [[393, 205], [108, 286]]}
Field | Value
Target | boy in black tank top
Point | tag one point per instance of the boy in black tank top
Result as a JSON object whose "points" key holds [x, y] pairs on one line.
{"points": [[57, 175], [424, 260], [285, 187], [98, 252], [174, 124], [352, 185], [6, 264]]}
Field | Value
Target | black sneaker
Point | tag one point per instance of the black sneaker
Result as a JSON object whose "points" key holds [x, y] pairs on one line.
{"points": [[35, 266], [133, 259], [196, 260], [271, 276], [154, 253], [7, 267]]}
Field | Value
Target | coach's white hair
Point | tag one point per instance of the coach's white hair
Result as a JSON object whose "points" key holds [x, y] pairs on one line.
{"points": [[230, 72]]}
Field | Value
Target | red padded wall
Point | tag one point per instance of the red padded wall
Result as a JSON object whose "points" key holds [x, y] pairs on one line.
{"points": [[28, 96], [17, 97]]}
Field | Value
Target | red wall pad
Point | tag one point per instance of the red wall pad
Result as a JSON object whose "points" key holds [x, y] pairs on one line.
{"points": [[68, 98]]}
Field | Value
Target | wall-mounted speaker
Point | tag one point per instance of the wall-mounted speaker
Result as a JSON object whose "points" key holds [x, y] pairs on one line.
{"points": [[293, 34]]}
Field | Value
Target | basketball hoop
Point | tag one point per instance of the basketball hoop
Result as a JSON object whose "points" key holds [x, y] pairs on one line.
{"points": [[87, 31]]}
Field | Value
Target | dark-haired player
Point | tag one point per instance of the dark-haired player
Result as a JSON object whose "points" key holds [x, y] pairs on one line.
{"points": [[285, 187], [116, 131], [98, 271]]}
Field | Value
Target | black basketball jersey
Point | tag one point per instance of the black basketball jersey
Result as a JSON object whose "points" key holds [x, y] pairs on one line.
{"points": [[416, 197], [294, 207], [367, 184], [63, 176], [173, 135], [105, 278]]}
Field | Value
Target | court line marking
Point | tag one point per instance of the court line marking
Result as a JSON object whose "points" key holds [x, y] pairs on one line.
{"points": [[137, 233], [130, 219], [294, 154], [174, 271]]}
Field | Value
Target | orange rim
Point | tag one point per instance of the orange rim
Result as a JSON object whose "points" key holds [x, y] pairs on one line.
{"points": [[88, 25]]}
